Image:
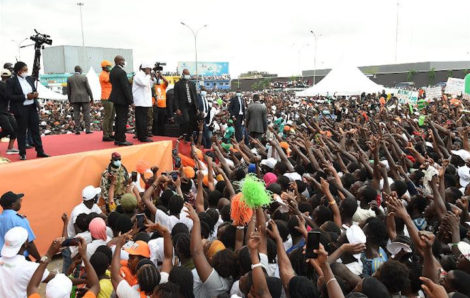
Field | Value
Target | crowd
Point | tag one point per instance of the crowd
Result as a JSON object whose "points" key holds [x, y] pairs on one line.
{"points": [[290, 84], [271, 196]]}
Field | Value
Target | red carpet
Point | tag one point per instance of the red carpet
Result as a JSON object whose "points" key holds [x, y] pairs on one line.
{"points": [[55, 145]]}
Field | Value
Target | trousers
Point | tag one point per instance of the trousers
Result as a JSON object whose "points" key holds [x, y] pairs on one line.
{"points": [[28, 119], [122, 113], [85, 107], [108, 117]]}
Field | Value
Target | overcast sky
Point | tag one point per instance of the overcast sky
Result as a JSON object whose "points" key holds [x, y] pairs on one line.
{"points": [[260, 35]]}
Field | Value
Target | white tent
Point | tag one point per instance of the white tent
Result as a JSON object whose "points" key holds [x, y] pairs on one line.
{"points": [[94, 82], [342, 80], [46, 93]]}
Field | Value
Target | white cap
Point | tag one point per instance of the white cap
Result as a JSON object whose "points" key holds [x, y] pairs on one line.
{"points": [[14, 239], [146, 65], [270, 162], [464, 154], [5, 73], [464, 249], [59, 287], [464, 175], [90, 192]]}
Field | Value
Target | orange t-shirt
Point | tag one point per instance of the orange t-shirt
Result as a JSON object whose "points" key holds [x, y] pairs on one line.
{"points": [[127, 274], [160, 94], [105, 85], [87, 295]]}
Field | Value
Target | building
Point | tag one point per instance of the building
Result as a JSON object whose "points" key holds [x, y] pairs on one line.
{"points": [[420, 73], [63, 59]]}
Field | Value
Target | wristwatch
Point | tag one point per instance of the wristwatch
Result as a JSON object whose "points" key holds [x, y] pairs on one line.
{"points": [[44, 259]]}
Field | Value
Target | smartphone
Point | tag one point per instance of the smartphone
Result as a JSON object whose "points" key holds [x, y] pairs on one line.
{"points": [[140, 220], [70, 242], [174, 175], [313, 242], [134, 176]]}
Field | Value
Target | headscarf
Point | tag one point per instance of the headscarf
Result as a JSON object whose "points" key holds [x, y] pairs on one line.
{"points": [[269, 178], [97, 228], [215, 247]]}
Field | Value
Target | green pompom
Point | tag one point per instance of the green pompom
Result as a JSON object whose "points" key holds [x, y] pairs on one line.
{"points": [[254, 192]]}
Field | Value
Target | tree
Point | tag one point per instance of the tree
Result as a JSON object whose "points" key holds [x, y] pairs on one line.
{"points": [[411, 74], [432, 76]]}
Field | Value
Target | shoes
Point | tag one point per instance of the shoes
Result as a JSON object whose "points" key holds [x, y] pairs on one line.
{"points": [[123, 143], [77, 132], [108, 139], [147, 140], [29, 147], [13, 151], [89, 132], [22, 157], [40, 155]]}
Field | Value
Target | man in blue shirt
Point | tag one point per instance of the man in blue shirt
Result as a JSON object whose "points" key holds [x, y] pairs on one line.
{"points": [[9, 218]]}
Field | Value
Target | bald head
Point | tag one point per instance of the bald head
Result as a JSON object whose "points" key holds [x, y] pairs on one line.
{"points": [[119, 60], [185, 71]]}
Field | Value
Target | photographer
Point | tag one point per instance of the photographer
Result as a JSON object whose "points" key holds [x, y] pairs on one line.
{"points": [[160, 109]]}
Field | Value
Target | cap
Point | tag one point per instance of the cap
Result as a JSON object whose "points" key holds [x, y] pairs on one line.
{"points": [[9, 198], [128, 202], [14, 239], [59, 287], [5, 73], [90, 192], [463, 247], [189, 172], [115, 155], [464, 154], [215, 247], [139, 248], [284, 145], [270, 162], [251, 168], [146, 65], [105, 63]]}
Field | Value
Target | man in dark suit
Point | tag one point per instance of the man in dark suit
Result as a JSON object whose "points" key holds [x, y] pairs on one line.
{"points": [[80, 97], [205, 110], [256, 118], [24, 106], [121, 96], [185, 99], [236, 109]]}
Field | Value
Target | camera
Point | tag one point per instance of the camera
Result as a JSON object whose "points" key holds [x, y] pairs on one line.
{"points": [[159, 66], [41, 38]]}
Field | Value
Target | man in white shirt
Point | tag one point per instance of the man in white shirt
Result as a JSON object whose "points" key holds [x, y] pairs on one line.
{"points": [[142, 93], [15, 270]]}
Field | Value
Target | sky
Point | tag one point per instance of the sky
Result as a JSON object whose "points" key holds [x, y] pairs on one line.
{"points": [[262, 35]]}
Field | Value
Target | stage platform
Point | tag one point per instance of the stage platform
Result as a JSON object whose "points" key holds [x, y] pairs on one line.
{"points": [[52, 186], [56, 145]]}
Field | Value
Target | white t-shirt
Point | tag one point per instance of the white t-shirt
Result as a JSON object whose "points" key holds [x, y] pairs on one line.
{"points": [[91, 248], [76, 211], [15, 274], [124, 290], [170, 221], [212, 287]]}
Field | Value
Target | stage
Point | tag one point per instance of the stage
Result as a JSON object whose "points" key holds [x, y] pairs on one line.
{"points": [[56, 145], [52, 186]]}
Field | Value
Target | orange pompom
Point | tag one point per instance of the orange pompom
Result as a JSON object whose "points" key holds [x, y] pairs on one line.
{"points": [[240, 213]]}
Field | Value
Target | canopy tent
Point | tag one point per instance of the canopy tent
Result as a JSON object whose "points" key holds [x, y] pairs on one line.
{"points": [[342, 80], [46, 93], [94, 82]]}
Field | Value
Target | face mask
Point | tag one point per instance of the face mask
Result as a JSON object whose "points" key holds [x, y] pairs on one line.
{"points": [[239, 94], [203, 93], [108, 68], [117, 163], [23, 75], [186, 77], [124, 64]]}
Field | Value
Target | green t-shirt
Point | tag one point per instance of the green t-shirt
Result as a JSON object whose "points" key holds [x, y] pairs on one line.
{"points": [[229, 132]]}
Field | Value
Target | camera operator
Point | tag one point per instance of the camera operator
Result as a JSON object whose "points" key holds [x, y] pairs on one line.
{"points": [[24, 106], [160, 109]]}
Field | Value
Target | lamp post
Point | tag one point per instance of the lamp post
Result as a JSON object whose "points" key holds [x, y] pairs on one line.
{"points": [[396, 32], [195, 33], [80, 5], [18, 45], [314, 57]]}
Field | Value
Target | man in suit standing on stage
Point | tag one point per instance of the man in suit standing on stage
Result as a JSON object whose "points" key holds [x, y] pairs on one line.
{"points": [[236, 109], [24, 106], [121, 96], [185, 98], [256, 118], [80, 97]]}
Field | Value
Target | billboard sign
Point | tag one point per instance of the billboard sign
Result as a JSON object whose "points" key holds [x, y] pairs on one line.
{"points": [[204, 68]]}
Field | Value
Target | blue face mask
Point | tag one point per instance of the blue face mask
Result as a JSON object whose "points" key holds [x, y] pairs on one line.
{"points": [[117, 163], [203, 93]]}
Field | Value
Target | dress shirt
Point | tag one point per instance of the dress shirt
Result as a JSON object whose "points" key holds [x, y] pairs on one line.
{"points": [[26, 87]]}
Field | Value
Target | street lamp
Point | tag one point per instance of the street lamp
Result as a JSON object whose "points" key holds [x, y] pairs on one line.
{"points": [[195, 33], [80, 5], [18, 45], [314, 57]]}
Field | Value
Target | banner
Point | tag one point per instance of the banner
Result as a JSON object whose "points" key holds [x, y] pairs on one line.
{"points": [[433, 92], [53, 186], [455, 86], [407, 96], [467, 84], [205, 68]]}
